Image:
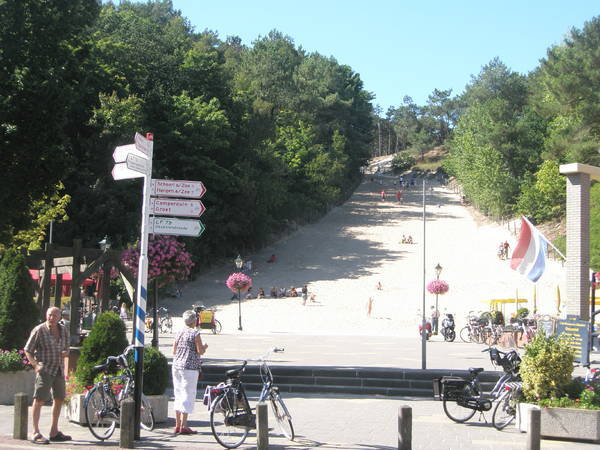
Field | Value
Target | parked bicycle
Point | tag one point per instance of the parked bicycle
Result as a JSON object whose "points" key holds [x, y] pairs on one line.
{"points": [[103, 402], [463, 397], [232, 418], [448, 328], [165, 323]]}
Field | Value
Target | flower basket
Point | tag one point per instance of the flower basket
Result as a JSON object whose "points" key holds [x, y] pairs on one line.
{"points": [[438, 287], [239, 282]]}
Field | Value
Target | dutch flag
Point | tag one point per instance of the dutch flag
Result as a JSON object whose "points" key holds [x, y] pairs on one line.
{"points": [[529, 256]]}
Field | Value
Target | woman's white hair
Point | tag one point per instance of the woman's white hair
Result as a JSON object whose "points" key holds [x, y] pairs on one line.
{"points": [[189, 318]]}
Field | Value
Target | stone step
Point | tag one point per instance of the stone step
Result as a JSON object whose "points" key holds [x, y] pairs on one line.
{"points": [[344, 380]]}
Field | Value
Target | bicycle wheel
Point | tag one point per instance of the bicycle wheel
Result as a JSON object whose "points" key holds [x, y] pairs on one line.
{"points": [[450, 335], [223, 412], [166, 325], [146, 415], [456, 412], [217, 327], [505, 410], [100, 413], [282, 415], [465, 334]]}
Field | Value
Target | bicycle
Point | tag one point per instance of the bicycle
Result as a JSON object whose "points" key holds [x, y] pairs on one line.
{"points": [[231, 417], [462, 397], [102, 403], [165, 323], [205, 319]]}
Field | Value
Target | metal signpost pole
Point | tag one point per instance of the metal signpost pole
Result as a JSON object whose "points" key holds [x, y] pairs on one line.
{"points": [[423, 322], [142, 293]]}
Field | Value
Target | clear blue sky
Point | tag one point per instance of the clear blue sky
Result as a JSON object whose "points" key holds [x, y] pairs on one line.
{"points": [[402, 47]]}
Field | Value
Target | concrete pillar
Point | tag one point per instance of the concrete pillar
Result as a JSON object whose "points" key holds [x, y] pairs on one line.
{"points": [[20, 416], [127, 428], [262, 427], [578, 237]]}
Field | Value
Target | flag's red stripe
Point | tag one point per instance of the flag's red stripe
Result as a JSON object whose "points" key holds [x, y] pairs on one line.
{"points": [[522, 245]]}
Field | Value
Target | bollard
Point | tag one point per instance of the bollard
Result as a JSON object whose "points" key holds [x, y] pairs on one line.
{"points": [[127, 419], [405, 428], [533, 432], [262, 426], [20, 419]]}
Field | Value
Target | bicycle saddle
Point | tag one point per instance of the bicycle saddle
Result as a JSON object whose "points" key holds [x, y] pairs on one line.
{"points": [[233, 373], [475, 370]]}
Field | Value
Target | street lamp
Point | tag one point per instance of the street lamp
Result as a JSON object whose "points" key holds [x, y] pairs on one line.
{"points": [[438, 271], [239, 262], [104, 244]]}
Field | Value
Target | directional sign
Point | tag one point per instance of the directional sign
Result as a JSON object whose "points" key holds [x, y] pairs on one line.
{"points": [[143, 145], [176, 227], [121, 172], [137, 163], [174, 207], [177, 188], [121, 152]]}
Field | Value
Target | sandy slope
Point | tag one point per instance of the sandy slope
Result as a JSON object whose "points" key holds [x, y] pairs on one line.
{"points": [[343, 256]]}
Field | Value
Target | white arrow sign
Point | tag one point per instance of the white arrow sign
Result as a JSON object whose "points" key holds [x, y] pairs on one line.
{"points": [[174, 207], [177, 188], [176, 227], [121, 152], [137, 163], [143, 145], [121, 172]]}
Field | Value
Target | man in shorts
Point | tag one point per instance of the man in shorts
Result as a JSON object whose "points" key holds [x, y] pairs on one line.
{"points": [[46, 349]]}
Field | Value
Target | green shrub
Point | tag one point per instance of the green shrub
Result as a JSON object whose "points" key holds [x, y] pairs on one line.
{"points": [[156, 371], [546, 368], [13, 361], [18, 312], [107, 338], [402, 161], [522, 313]]}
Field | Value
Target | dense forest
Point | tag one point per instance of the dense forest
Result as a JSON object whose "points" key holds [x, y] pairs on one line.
{"points": [[277, 135]]}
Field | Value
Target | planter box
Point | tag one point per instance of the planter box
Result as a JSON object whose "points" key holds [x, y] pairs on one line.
{"points": [[160, 407], [74, 409], [76, 413], [14, 382], [564, 423]]}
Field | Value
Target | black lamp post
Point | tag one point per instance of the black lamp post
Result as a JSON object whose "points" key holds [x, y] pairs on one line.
{"points": [[239, 262], [438, 271]]}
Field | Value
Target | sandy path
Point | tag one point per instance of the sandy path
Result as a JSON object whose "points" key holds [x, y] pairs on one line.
{"points": [[343, 256]]}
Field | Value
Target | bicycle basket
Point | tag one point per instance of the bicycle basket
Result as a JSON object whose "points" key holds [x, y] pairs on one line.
{"points": [[452, 387]]}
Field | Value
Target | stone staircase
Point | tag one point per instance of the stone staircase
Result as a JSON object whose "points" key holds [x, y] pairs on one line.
{"points": [[344, 380]]}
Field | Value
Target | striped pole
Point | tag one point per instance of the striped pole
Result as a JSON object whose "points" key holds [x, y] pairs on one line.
{"points": [[142, 294]]}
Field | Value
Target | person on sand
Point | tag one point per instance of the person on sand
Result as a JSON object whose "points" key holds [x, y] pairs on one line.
{"points": [[409, 239], [272, 259], [378, 286], [313, 298], [273, 292], [282, 292], [249, 294], [304, 294], [403, 239], [293, 292], [398, 196], [261, 293], [369, 306], [382, 194]]}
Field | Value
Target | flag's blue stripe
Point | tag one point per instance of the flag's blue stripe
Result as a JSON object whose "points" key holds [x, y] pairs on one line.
{"points": [[540, 262]]}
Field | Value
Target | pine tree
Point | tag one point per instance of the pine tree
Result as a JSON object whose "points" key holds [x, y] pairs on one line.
{"points": [[18, 311]]}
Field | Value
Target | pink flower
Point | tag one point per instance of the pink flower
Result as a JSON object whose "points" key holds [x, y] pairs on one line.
{"points": [[239, 282], [438, 287]]}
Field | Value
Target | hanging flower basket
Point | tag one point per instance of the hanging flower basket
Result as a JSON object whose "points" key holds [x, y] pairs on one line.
{"points": [[438, 287], [239, 282]]}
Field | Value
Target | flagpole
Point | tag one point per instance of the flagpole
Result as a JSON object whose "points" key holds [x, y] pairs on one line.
{"points": [[545, 238]]}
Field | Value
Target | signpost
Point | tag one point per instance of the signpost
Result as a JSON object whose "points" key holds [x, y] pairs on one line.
{"points": [[175, 207], [135, 161], [176, 227], [576, 332]]}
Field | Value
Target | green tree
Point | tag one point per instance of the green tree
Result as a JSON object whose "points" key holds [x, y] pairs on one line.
{"points": [[18, 311], [545, 198], [106, 338]]}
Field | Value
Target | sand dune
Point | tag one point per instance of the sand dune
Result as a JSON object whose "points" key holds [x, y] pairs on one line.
{"points": [[343, 256]]}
